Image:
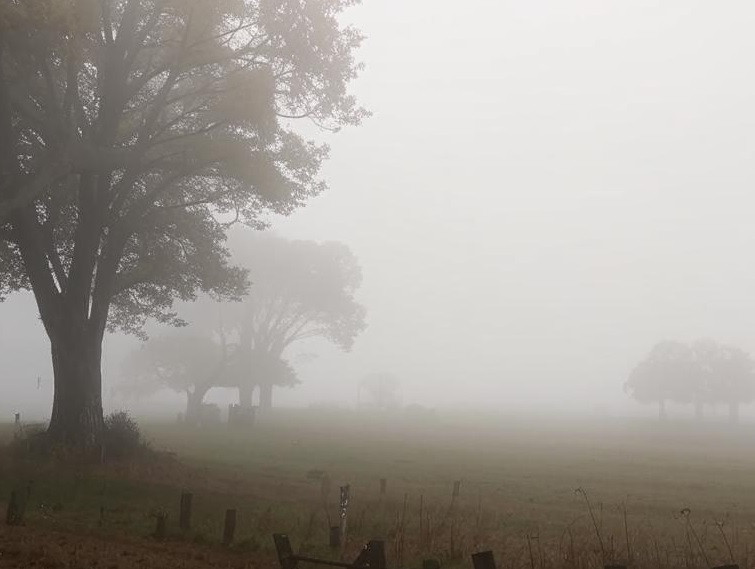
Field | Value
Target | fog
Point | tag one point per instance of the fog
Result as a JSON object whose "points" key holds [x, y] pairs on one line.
{"points": [[544, 191]]}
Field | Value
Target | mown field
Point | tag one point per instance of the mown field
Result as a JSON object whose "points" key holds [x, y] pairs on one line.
{"points": [[540, 493]]}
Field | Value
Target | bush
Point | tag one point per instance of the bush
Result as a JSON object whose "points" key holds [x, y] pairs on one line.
{"points": [[122, 436]]}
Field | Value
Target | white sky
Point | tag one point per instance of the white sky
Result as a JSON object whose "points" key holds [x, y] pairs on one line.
{"points": [[546, 189]]}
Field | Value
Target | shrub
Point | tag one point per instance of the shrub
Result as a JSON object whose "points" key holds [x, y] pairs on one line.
{"points": [[122, 436]]}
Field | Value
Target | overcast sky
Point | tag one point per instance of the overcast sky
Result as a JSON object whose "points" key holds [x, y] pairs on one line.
{"points": [[546, 189]]}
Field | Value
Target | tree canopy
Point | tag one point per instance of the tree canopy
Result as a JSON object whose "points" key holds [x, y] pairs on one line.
{"points": [[134, 132], [704, 372], [185, 363]]}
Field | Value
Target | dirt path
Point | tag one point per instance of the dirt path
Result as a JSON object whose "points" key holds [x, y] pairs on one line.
{"points": [[23, 547]]}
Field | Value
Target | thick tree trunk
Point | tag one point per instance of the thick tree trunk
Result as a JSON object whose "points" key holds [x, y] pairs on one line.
{"points": [[246, 395], [662, 410], [734, 412], [266, 396], [194, 400], [77, 405]]}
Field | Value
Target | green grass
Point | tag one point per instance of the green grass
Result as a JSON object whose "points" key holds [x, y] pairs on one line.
{"points": [[518, 497]]}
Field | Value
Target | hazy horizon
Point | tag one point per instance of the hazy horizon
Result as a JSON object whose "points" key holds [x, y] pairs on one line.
{"points": [[545, 190]]}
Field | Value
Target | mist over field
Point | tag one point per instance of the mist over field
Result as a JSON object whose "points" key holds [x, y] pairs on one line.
{"points": [[413, 283], [544, 191]]}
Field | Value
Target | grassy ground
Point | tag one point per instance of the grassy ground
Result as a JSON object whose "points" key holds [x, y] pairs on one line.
{"points": [[658, 495]]}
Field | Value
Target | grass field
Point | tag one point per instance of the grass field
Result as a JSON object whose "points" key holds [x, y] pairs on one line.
{"points": [[660, 495]]}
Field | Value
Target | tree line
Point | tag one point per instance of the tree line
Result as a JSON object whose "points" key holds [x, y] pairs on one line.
{"points": [[701, 373]]}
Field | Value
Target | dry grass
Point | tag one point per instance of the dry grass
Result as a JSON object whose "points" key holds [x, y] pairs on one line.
{"points": [[540, 495]]}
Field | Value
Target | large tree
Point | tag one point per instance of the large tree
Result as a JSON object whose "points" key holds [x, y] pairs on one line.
{"points": [[185, 363], [300, 290], [133, 131]]}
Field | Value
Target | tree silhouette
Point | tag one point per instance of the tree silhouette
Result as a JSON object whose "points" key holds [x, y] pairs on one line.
{"points": [[729, 376], [184, 363], [664, 375], [301, 290], [382, 389], [704, 373], [132, 132]]}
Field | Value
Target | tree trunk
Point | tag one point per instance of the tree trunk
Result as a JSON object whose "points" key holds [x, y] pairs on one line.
{"points": [[734, 412], [194, 400], [246, 395], [77, 404], [662, 410], [699, 410], [266, 396]]}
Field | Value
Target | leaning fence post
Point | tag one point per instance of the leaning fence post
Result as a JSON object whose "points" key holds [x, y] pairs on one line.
{"points": [[184, 519], [285, 553], [483, 560], [229, 527]]}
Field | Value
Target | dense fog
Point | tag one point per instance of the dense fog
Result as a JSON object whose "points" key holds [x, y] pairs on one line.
{"points": [[545, 190]]}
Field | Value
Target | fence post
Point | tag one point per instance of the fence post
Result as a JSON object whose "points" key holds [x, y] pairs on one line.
{"points": [[483, 560], [229, 528], [160, 523], [457, 487], [285, 553], [184, 519], [14, 515], [345, 490], [335, 537]]}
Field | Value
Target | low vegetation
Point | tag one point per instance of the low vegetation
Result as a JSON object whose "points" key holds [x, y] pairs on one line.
{"points": [[540, 495]]}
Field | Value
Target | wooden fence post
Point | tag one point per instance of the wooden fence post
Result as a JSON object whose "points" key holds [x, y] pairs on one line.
{"points": [[14, 515], [184, 519], [344, 505], [335, 537], [160, 525], [285, 553], [483, 560], [229, 527], [457, 487]]}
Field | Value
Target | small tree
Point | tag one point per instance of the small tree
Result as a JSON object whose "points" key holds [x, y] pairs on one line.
{"points": [[132, 130]]}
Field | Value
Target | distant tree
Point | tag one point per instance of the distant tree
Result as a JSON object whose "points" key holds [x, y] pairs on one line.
{"points": [[664, 375], [382, 390], [183, 363], [301, 290], [131, 131], [729, 374]]}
